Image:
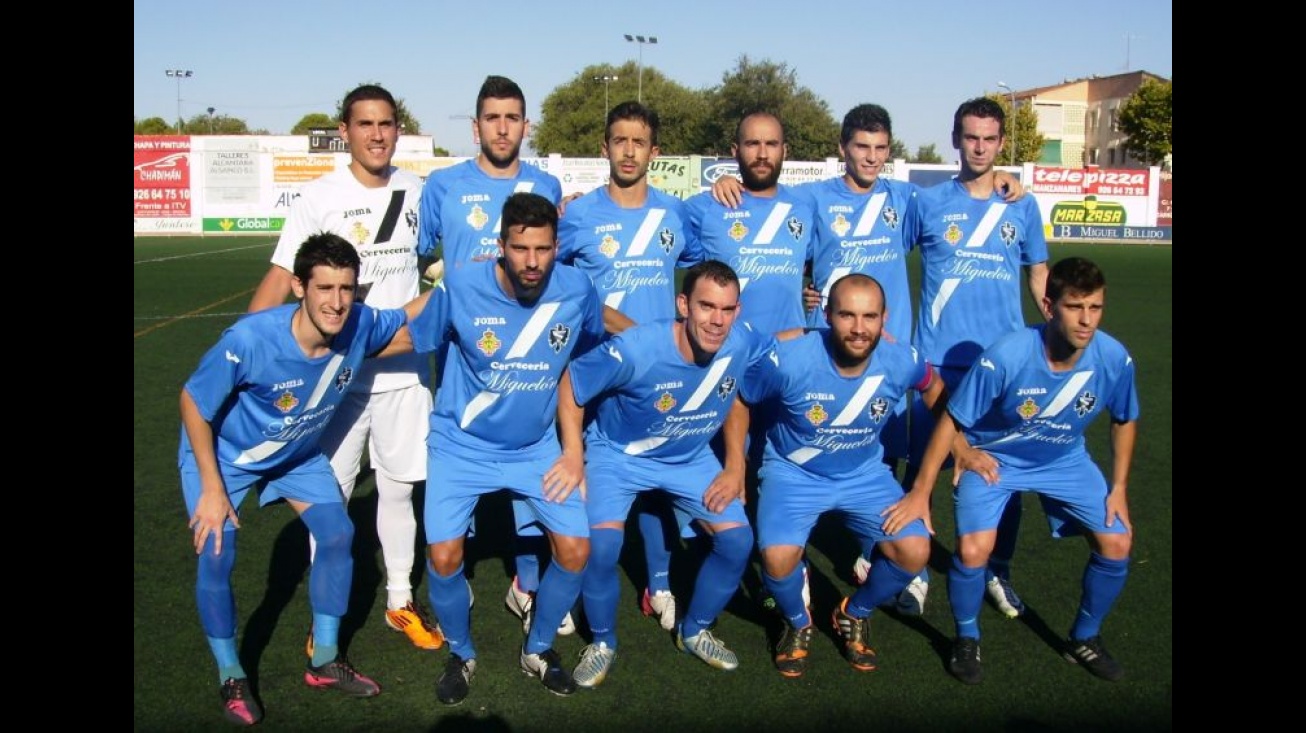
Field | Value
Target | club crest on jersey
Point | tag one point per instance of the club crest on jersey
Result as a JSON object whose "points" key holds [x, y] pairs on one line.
{"points": [[796, 227], [559, 335], [1007, 232], [724, 389], [1085, 403], [410, 218], [609, 246], [890, 217], [343, 379], [953, 234], [737, 231], [287, 401], [359, 233], [879, 408], [488, 343], [840, 225], [667, 239], [816, 414], [477, 218], [1028, 409], [665, 402]]}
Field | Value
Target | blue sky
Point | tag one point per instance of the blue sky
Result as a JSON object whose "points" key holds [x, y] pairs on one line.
{"points": [[272, 62]]}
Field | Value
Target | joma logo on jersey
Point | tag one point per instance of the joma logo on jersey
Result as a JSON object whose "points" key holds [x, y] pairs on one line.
{"points": [[472, 198], [1023, 391], [667, 385], [344, 378], [287, 401], [488, 321], [488, 343], [289, 384], [559, 335], [351, 213]]}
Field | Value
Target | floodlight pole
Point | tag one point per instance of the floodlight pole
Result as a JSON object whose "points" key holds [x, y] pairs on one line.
{"points": [[641, 40], [179, 74], [607, 80]]}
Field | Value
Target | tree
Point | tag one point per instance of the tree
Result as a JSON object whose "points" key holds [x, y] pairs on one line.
{"points": [[572, 116], [408, 124], [1024, 142], [1145, 117], [810, 130], [898, 149], [153, 126], [205, 124], [440, 152], [926, 154], [314, 120]]}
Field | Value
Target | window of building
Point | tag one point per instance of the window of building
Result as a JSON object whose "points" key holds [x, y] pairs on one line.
{"points": [[1111, 156]]}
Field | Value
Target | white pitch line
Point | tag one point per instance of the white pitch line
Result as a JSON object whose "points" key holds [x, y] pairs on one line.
{"points": [[198, 254]]}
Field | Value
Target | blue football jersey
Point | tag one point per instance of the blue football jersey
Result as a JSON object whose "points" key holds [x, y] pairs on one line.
{"points": [[630, 254], [972, 251], [768, 242], [1024, 414], [461, 207], [823, 421], [864, 233], [498, 394], [268, 402], [652, 402]]}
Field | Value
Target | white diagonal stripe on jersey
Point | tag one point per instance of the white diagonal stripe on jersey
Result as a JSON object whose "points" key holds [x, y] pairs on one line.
{"points": [[869, 215], [858, 401], [652, 220], [774, 220], [268, 447], [708, 384], [522, 186], [1067, 393], [530, 333], [804, 454], [614, 298], [985, 228], [478, 404], [644, 445], [946, 289], [743, 283]]}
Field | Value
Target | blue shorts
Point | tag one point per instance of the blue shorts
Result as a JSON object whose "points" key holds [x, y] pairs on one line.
{"points": [[455, 483], [1073, 494], [613, 479], [791, 499], [311, 481]]}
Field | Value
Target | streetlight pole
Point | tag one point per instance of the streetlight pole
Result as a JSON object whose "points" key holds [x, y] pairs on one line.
{"points": [[211, 111], [1012, 92], [607, 80], [641, 40], [179, 74]]}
